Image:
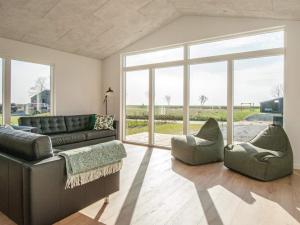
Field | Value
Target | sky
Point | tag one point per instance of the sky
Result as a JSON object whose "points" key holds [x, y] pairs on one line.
{"points": [[242, 44], [254, 79]]}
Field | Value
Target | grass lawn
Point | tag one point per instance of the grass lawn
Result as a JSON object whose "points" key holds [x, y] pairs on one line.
{"points": [[162, 128], [196, 113], [169, 113], [13, 120]]}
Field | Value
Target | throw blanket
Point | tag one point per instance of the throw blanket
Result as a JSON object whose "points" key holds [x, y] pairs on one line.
{"points": [[87, 164]]}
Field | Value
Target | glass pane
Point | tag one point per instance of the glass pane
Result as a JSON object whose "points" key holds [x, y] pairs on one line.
{"points": [[168, 115], [208, 95], [160, 56], [1, 104], [258, 95], [236, 45], [30, 90], [137, 102]]}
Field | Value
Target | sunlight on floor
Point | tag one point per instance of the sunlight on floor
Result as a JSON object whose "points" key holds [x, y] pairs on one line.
{"points": [[156, 189]]}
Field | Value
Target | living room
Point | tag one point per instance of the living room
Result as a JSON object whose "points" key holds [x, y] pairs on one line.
{"points": [[173, 112]]}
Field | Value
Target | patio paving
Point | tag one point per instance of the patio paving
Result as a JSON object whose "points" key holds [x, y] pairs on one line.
{"points": [[243, 131]]}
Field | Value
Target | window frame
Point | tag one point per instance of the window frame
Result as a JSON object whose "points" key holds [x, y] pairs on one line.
{"points": [[186, 62]]}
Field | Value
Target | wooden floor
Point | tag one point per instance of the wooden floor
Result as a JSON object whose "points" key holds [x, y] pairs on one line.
{"points": [[156, 189]]}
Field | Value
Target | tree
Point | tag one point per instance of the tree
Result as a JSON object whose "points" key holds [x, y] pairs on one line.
{"points": [[168, 99], [39, 86], [202, 99], [277, 91]]}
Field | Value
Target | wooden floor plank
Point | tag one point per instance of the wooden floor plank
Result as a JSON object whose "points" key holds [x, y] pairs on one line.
{"points": [[157, 189]]}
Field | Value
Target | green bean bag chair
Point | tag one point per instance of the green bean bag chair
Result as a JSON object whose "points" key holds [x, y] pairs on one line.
{"points": [[205, 147], [268, 156]]}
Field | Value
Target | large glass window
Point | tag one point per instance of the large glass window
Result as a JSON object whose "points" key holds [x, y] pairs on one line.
{"points": [[168, 117], [137, 106], [30, 89], [160, 56], [243, 94], [208, 95], [236, 45], [1, 98], [258, 95]]}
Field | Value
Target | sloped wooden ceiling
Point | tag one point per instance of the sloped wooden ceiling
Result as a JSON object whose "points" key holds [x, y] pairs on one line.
{"points": [[99, 28]]}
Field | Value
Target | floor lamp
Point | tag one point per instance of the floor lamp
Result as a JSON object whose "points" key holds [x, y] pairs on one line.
{"points": [[109, 92]]}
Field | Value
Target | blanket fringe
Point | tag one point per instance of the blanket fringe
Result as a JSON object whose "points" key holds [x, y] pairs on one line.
{"points": [[86, 177]]}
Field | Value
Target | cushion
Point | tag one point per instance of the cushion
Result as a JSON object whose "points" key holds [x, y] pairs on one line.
{"points": [[67, 138], [46, 124], [93, 121], [95, 134], [104, 122], [28, 146], [78, 123]]}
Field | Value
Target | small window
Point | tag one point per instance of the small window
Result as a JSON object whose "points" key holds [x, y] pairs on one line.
{"points": [[166, 55], [237, 45]]}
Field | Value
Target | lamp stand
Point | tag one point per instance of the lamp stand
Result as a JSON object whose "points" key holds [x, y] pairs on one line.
{"points": [[107, 93], [105, 100]]}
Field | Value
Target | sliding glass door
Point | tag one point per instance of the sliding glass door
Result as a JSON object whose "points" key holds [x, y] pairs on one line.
{"points": [[137, 106], [258, 95], [168, 104], [208, 95]]}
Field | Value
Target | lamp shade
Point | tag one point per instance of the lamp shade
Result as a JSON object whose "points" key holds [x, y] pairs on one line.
{"points": [[109, 92]]}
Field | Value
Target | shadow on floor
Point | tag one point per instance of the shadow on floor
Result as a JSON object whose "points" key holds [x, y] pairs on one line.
{"points": [[101, 211], [241, 186], [127, 210], [79, 218]]}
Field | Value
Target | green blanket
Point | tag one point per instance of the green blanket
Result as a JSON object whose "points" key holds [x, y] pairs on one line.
{"points": [[90, 163]]}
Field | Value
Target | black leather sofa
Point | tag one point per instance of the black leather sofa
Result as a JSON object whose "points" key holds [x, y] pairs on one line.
{"points": [[33, 177], [67, 132]]}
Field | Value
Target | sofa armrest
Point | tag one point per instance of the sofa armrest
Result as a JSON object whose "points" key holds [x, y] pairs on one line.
{"points": [[33, 193], [26, 128], [116, 126]]}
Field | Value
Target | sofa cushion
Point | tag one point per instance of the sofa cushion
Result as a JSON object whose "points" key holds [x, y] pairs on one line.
{"points": [[25, 145], [67, 138], [78, 123], [104, 122], [45, 124], [95, 134]]}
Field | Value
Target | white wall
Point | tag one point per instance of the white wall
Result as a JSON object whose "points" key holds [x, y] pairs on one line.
{"points": [[77, 79], [193, 28]]}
